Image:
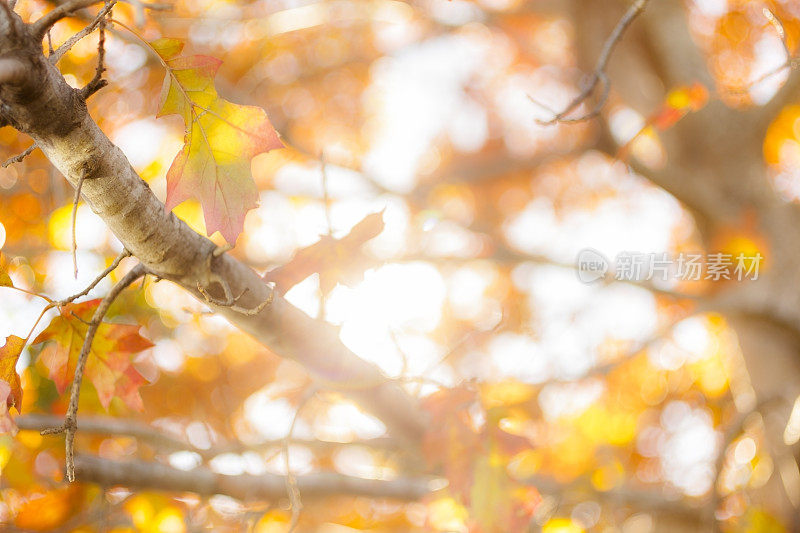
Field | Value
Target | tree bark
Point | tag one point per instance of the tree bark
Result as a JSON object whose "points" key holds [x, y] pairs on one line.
{"points": [[245, 487]]}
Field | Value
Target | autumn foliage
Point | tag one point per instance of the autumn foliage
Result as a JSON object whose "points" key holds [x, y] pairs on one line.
{"points": [[418, 178]]}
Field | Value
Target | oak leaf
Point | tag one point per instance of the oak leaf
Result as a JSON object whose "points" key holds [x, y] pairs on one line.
{"points": [[336, 260], [109, 366], [220, 140], [454, 441]]}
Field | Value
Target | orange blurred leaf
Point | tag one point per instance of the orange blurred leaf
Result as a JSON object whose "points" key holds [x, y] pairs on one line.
{"points": [[336, 260], [679, 102], [9, 355], [5, 279], [452, 441], [48, 510], [109, 366], [7, 424]]}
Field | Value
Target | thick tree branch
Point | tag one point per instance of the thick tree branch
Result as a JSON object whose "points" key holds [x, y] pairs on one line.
{"points": [[55, 116], [167, 442], [12, 71], [155, 476]]}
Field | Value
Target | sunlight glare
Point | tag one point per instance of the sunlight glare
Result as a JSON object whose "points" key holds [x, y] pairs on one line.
{"points": [[392, 298]]}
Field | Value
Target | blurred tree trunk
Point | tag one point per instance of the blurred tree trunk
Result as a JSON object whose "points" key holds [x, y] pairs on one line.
{"points": [[715, 167]]}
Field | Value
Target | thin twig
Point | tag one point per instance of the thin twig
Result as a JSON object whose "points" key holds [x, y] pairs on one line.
{"points": [[19, 157], [97, 81], [291, 481], [229, 299], [98, 279], [69, 43], [325, 196], [598, 76], [791, 62], [74, 225], [41, 26], [140, 8], [70, 425], [779, 29], [9, 15]]}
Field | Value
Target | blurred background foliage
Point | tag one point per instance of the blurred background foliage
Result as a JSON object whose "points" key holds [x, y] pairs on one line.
{"points": [[556, 406]]}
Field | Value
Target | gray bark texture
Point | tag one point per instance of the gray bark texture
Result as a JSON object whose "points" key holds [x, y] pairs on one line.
{"points": [[246, 487]]}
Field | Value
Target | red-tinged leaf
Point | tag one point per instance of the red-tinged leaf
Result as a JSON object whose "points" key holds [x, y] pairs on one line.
{"points": [[336, 260], [221, 139], [109, 366], [453, 443], [9, 355], [680, 102], [505, 442], [189, 82], [667, 117]]}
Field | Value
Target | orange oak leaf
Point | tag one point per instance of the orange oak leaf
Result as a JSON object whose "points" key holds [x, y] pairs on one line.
{"points": [[336, 260], [109, 366], [220, 140], [9, 355], [46, 510], [7, 424], [453, 441], [466, 442]]}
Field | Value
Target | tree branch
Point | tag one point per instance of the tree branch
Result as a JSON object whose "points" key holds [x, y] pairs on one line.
{"points": [[46, 21], [55, 116], [598, 76], [70, 425], [12, 71], [69, 43], [167, 442], [156, 476], [114, 264], [19, 157]]}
